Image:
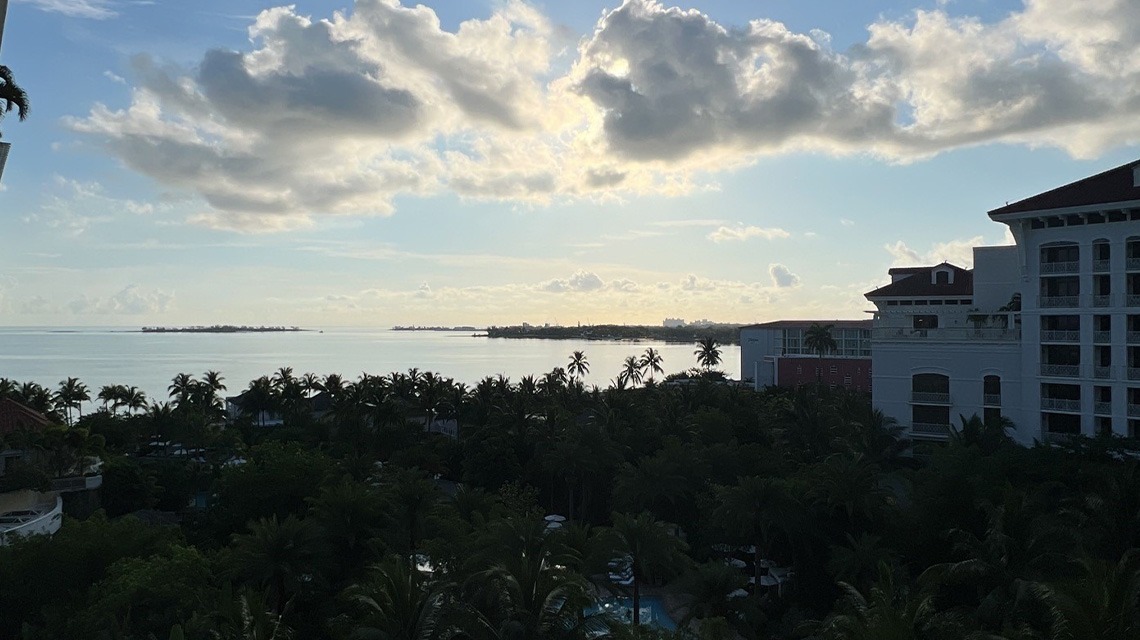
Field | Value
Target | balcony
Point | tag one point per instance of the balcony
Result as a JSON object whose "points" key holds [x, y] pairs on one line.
{"points": [[1103, 373], [76, 483], [1060, 404], [1133, 337], [1132, 264], [1060, 336], [1060, 267], [1133, 373], [925, 429], [929, 397], [1102, 300], [1134, 410], [44, 518], [948, 334], [1132, 300], [1059, 302], [1102, 408], [1054, 437], [1102, 337], [1061, 370], [1101, 266], [991, 400]]}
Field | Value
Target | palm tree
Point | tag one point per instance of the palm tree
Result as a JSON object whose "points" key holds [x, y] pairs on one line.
{"points": [[651, 362], [14, 97], [653, 551], [111, 395], [818, 340], [396, 603], [708, 353], [213, 380], [72, 393], [133, 398], [579, 366], [760, 509], [282, 556], [631, 372], [710, 588], [282, 378], [181, 388]]}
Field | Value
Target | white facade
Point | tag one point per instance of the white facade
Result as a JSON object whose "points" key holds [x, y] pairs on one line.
{"points": [[762, 346], [1050, 335]]}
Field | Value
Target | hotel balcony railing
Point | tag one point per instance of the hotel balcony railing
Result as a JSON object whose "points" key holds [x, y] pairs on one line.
{"points": [[1132, 264], [1102, 300], [1101, 266], [1053, 335], [1061, 267], [1102, 336], [1061, 370], [1132, 300], [947, 333], [76, 483], [1060, 438], [930, 429], [1133, 373], [1134, 410], [929, 397], [1133, 337], [1060, 404], [1102, 408], [1103, 373], [991, 400], [1055, 302]]}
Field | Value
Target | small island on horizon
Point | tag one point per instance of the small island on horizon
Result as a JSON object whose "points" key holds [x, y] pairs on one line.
{"points": [[722, 333], [221, 328]]}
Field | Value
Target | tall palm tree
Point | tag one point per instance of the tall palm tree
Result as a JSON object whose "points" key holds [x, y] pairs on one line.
{"points": [[631, 371], [818, 340], [133, 398], [181, 388], [110, 396], [214, 380], [652, 549], [651, 362], [708, 353], [12, 95], [72, 393], [578, 366]]}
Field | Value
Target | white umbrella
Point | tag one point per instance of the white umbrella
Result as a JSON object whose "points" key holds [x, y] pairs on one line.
{"points": [[554, 517]]}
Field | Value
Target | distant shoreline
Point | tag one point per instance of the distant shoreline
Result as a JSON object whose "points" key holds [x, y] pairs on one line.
{"points": [[451, 329], [723, 333], [222, 328]]}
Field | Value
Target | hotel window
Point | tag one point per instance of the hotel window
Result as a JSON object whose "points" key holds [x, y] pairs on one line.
{"points": [[847, 381], [834, 369]]}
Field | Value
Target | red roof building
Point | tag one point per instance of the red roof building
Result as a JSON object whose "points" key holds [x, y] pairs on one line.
{"points": [[16, 417]]}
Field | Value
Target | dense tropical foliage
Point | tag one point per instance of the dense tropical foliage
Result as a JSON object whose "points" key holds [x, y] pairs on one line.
{"points": [[324, 507]]}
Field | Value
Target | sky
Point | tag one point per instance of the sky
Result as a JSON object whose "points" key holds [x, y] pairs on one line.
{"points": [[499, 162]]}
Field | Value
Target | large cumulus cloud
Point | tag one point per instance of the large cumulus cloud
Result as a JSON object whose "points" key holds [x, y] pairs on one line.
{"points": [[341, 115]]}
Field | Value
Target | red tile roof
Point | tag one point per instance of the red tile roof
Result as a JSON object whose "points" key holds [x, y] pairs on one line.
{"points": [[1114, 185], [15, 417], [919, 285], [805, 324]]}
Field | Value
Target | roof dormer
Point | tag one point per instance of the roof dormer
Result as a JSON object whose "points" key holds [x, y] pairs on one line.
{"points": [[943, 274]]}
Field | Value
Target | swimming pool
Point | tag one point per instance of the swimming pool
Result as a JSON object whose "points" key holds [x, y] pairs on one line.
{"points": [[653, 611]]}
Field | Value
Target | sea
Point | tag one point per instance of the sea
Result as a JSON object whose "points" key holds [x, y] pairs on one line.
{"points": [[120, 355]]}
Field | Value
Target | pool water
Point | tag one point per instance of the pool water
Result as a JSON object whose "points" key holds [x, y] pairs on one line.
{"points": [[653, 611]]}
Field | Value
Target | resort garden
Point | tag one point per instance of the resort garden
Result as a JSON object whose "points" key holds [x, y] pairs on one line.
{"points": [[321, 507]]}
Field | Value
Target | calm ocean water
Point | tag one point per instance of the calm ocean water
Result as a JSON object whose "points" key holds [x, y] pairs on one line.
{"points": [[101, 356]]}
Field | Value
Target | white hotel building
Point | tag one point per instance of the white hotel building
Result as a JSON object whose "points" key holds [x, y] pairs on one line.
{"points": [[1045, 332]]}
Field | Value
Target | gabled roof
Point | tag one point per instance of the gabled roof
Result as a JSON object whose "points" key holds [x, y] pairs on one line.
{"points": [[15, 417], [919, 284], [805, 324], [1114, 185]]}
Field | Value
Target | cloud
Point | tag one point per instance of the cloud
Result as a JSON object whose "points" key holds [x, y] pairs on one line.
{"points": [[707, 222], [581, 281], [847, 223], [782, 277], [131, 300], [343, 114], [94, 9], [956, 252], [114, 77], [740, 233]]}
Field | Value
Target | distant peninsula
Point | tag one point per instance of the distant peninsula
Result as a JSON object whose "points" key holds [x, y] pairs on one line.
{"points": [[221, 328], [722, 333]]}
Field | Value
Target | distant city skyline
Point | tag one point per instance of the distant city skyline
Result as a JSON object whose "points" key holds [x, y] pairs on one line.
{"points": [[500, 162]]}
